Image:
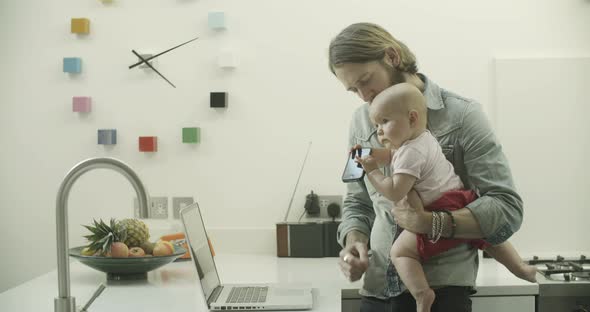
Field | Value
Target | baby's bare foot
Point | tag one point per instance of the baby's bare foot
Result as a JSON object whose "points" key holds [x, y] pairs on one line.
{"points": [[526, 272], [424, 300], [529, 273]]}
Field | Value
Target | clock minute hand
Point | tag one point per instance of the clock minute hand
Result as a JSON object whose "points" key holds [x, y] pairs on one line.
{"points": [[152, 67], [154, 56]]}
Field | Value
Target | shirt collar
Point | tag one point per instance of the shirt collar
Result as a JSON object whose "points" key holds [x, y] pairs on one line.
{"points": [[432, 93]]}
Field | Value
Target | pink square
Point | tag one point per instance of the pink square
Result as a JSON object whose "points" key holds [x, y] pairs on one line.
{"points": [[82, 104]]}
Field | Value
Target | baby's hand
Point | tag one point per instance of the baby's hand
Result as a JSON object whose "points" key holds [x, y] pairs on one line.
{"points": [[354, 150], [368, 162]]}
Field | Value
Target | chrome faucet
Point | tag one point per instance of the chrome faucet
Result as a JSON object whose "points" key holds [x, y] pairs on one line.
{"points": [[65, 302]]}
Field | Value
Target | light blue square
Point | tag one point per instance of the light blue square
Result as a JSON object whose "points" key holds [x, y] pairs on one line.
{"points": [[72, 65], [217, 20], [107, 136]]}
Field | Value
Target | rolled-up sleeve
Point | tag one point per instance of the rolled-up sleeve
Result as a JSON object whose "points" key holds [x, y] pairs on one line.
{"points": [[499, 209], [357, 208]]}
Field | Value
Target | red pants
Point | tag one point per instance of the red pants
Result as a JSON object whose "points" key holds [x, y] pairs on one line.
{"points": [[451, 200]]}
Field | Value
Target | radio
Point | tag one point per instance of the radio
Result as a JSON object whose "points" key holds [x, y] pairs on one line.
{"points": [[308, 239]]}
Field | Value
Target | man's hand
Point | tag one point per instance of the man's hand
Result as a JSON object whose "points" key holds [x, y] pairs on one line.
{"points": [[409, 214], [354, 258]]}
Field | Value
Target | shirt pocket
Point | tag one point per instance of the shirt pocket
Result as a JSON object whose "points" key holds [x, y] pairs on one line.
{"points": [[448, 150], [364, 138]]}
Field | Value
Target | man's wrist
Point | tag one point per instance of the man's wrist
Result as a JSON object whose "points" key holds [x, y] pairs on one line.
{"points": [[449, 226], [355, 236], [426, 227]]}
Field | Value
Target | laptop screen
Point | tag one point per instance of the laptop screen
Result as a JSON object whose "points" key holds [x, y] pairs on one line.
{"points": [[199, 248]]}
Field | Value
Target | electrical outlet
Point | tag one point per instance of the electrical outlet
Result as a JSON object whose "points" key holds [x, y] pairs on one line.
{"points": [[325, 201], [159, 207], [178, 203]]}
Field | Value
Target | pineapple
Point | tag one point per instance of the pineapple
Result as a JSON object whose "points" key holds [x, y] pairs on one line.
{"points": [[131, 232], [103, 236], [137, 232]]}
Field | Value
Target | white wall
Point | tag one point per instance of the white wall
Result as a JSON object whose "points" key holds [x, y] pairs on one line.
{"points": [[280, 97]]}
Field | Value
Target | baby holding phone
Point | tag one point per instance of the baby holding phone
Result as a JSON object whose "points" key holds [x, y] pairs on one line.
{"points": [[422, 175]]}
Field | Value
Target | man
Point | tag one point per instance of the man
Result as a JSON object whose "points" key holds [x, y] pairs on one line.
{"points": [[366, 59]]}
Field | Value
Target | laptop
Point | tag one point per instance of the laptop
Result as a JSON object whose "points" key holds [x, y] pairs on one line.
{"points": [[220, 297]]}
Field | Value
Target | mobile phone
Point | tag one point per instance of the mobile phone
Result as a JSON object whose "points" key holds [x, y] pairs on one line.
{"points": [[353, 171]]}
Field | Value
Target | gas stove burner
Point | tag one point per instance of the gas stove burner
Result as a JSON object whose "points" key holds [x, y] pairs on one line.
{"points": [[581, 276], [568, 277], [558, 266], [564, 283], [563, 269]]}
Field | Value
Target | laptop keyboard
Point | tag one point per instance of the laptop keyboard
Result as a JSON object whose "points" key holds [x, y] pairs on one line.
{"points": [[247, 295]]}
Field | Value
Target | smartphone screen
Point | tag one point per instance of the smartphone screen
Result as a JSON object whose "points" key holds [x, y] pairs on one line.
{"points": [[353, 171]]}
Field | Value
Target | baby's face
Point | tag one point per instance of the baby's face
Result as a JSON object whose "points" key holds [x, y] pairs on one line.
{"points": [[393, 127]]}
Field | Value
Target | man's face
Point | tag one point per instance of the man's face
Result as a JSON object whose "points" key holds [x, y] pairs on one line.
{"points": [[367, 79]]}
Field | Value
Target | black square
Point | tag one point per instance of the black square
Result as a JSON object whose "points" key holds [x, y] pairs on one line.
{"points": [[306, 240], [218, 99]]}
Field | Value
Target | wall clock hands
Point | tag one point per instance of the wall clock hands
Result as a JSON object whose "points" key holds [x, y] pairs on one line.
{"points": [[152, 67], [154, 56]]}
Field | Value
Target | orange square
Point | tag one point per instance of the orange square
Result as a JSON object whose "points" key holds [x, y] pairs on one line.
{"points": [[80, 26]]}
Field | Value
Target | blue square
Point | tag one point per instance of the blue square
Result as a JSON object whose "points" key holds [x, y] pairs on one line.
{"points": [[217, 20], [107, 136], [72, 65]]}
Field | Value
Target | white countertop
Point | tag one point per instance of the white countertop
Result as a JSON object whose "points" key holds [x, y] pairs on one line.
{"points": [[174, 287]]}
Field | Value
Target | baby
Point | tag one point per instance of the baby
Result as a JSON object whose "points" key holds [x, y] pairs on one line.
{"points": [[420, 171]]}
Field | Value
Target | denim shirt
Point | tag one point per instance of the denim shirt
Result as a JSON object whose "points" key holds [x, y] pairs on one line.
{"points": [[468, 142]]}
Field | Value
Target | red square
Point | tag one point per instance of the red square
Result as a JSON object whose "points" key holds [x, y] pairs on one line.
{"points": [[148, 144]]}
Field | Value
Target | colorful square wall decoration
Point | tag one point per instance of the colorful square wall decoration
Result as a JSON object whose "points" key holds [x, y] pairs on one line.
{"points": [[148, 144], [191, 135]]}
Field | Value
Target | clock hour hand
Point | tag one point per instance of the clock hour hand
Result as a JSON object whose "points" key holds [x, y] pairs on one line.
{"points": [[152, 67], [154, 56]]}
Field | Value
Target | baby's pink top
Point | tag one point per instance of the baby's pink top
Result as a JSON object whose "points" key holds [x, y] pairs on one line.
{"points": [[423, 158]]}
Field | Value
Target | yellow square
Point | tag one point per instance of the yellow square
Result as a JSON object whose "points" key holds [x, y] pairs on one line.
{"points": [[80, 25]]}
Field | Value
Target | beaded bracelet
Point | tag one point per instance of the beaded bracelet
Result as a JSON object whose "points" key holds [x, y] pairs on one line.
{"points": [[453, 224], [442, 225], [438, 219], [433, 231]]}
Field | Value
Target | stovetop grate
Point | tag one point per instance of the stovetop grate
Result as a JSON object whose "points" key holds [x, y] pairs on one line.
{"points": [[559, 268]]}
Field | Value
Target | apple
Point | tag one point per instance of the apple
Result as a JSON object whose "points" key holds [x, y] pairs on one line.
{"points": [[119, 250], [135, 252], [163, 248]]}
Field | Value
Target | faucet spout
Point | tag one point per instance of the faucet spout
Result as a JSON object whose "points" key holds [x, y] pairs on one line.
{"points": [[65, 302]]}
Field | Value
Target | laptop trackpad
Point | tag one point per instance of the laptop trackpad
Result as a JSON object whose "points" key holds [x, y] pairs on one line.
{"points": [[288, 292]]}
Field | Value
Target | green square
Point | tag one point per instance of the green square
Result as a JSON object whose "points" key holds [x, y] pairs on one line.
{"points": [[191, 135]]}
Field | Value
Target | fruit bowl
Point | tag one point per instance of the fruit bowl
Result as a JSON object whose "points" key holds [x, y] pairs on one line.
{"points": [[125, 268]]}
